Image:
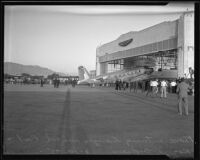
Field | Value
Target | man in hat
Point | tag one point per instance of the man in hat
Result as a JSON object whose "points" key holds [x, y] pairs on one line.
{"points": [[182, 90]]}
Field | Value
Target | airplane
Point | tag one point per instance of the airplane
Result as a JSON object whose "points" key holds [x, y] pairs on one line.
{"points": [[124, 75], [85, 77]]}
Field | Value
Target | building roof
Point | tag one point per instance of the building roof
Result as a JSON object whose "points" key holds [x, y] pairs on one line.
{"points": [[157, 33]]}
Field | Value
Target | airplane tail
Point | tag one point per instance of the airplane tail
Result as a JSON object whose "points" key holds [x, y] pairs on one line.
{"points": [[83, 73]]}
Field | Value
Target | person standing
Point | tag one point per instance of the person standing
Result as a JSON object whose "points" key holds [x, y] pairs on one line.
{"points": [[41, 83], [163, 89], [136, 86], [124, 86], [54, 82], [148, 87], [116, 85], [143, 86], [133, 86], [93, 84], [127, 85], [120, 84], [75, 83], [130, 86], [155, 87], [58, 83], [173, 85], [159, 86], [182, 90]]}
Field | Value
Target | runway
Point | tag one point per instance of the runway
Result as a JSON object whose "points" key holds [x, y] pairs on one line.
{"points": [[84, 120]]}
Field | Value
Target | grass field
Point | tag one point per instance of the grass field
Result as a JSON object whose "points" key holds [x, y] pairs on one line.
{"points": [[84, 120]]}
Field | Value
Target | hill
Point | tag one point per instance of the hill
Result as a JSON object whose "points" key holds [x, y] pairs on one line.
{"points": [[18, 69]]}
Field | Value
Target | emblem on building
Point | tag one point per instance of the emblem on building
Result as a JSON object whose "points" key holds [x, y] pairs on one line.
{"points": [[125, 43]]}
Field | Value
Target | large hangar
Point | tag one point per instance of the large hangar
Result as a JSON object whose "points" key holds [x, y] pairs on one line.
{"points": [[165, 46]]}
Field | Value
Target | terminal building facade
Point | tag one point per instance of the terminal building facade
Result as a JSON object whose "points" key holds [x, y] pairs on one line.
{"points": [[165, 46]]}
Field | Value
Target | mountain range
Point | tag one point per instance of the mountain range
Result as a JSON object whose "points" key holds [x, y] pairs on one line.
{"points": [[18, 69]]}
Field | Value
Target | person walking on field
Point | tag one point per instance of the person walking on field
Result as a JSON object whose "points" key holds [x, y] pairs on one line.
{"points": [[163, 89], [182, 90]]}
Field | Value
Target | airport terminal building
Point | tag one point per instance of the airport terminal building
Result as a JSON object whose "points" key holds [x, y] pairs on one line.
{"points": [[165, 46]]}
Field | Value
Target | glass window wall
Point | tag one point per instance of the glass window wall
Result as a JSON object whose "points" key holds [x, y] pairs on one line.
{"points": [[115, 65]]}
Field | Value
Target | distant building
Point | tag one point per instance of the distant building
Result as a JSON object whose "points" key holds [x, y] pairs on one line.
{"points": [[165, 46]]}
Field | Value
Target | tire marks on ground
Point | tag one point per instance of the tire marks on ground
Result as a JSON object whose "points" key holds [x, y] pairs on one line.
{"points": [[64, 129]]}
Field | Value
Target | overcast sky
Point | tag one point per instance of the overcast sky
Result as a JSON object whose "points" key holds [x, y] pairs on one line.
{"points": [[62, 38]]}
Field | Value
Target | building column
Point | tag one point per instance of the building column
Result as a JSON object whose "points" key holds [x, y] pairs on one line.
{"points": [[185, 44]]}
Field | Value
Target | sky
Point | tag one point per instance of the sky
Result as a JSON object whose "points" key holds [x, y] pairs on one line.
{"points": [[62, 38]]}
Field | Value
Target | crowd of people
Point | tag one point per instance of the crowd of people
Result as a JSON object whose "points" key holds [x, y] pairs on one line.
{"points": [[151, 87], [119, 85], [160, 88], [56, 82]]}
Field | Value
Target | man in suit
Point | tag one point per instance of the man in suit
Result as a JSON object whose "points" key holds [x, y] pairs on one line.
{"points": [[182, 90]]}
